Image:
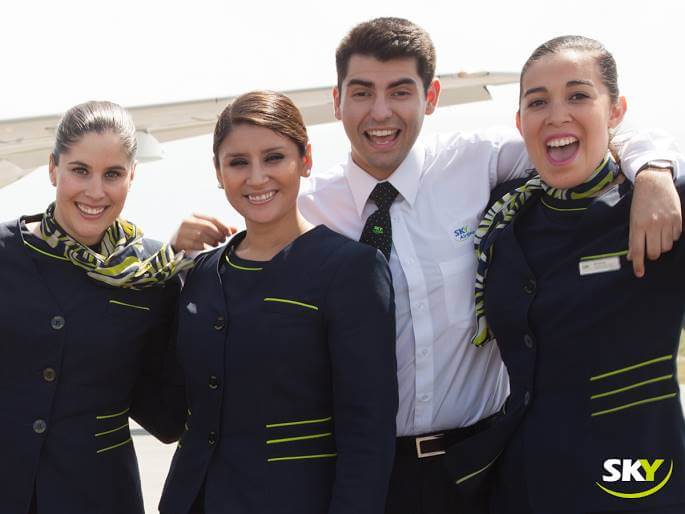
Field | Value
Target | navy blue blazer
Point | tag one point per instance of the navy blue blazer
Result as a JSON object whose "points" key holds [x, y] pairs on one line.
{"points": [[591, 353], [300, 418], [76, 360]]}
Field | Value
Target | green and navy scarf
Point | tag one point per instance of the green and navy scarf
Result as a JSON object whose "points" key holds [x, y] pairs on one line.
{"points": [[120, 260], [504, 210]]}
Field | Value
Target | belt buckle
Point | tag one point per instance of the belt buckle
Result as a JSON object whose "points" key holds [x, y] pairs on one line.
{"points": [[421, 454]]}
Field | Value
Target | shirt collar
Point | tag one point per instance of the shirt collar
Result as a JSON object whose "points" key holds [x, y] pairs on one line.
{"points": [[405, 179]]}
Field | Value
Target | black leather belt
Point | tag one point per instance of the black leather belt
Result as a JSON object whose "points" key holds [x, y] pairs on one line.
{"points": [[434, 444]]}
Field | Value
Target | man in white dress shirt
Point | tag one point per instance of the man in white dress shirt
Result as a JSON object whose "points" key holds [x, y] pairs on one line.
{"points": [[449, 389]]}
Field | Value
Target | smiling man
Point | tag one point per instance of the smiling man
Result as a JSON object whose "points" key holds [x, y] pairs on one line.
{"points": [[420, 203], [381, 106]]}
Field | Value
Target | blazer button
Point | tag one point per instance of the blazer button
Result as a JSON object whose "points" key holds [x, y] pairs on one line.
{"points": [[213, 382], [49, 375], [212, 438], [219, 323], [528, 341], [39, 426], [529, 286], [57, 323]]}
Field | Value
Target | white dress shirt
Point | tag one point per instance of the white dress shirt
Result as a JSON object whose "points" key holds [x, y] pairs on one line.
{"points": [[444, 184]]}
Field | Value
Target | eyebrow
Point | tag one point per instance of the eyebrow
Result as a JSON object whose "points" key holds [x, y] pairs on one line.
{"points": [[84, 165], [570, 83], [580, 83], [367, 83], [79, 163], [533, 90], [274, 149], [242, 154], [360, 82], [402, 82]]}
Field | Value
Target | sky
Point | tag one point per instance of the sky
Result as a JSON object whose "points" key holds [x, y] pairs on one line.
{"points": [[57, 54]]}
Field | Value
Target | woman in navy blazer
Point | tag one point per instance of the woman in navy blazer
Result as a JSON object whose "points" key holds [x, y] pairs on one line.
{"points": [[286, 337], [594, 421], [84, 338]]}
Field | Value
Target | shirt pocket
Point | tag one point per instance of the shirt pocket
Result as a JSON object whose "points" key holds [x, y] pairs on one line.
{"points": [[127, 308], [292, 321], [458, 276], [290, 310], [130, 317], [294, 337]]}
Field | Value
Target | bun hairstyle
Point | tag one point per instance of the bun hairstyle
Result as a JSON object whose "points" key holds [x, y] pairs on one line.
{"points": [[98, 117], [605, 61], [267, 109]]}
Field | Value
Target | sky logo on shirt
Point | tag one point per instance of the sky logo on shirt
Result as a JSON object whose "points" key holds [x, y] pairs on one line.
{"points": [[463, 233], [635, 478]]}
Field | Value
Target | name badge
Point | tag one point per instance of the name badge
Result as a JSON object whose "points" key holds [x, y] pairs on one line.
{"points": [[590, 267]]}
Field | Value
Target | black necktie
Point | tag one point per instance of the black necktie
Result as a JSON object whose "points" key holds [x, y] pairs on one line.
{"points": [[378, 231]]}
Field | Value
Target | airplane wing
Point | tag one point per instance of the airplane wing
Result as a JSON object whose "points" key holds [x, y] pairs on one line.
{"points": [[25, 143]]}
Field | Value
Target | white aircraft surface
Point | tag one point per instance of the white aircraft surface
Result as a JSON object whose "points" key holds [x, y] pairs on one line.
{"points": [[25, 143]]}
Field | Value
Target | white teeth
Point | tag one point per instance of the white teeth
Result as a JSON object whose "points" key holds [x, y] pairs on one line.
{"points": [[263, 197], [562, 141], [93, 211], [381, 133]]}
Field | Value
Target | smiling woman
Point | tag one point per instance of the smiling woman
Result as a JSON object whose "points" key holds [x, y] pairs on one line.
{"points": [[92, 177], [85, 315], [260, 154], [293, 326], [591, 350]]}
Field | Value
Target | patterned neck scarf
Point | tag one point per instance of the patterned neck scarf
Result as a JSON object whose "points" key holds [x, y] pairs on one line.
{"points": [[120, 260], [504, 210]]}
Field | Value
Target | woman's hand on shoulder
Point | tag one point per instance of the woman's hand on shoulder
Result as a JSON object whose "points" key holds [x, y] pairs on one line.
{"points": [[655, 217], [199, 232]]}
